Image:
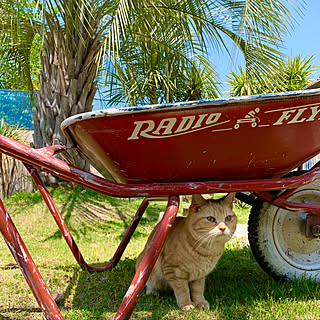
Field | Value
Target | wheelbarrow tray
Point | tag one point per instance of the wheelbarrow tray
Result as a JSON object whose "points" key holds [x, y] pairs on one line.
{"points": [[244, 144], [253, 137]]}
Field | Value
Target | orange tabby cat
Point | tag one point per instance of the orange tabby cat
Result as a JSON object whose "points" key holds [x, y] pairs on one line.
{"points": [[193, 247]]}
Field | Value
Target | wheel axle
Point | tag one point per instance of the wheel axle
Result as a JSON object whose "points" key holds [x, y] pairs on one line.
{"points": [[313, 225], [316, 230]]}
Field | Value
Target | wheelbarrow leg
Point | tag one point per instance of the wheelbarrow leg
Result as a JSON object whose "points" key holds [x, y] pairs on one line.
{"points": [[27, 266], [66, 232], [133, 293]]}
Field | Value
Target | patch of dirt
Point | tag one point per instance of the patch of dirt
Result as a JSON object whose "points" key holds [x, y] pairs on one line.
{"points": [[241, 231]]}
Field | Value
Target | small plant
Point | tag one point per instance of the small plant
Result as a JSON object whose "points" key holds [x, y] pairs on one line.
{"points": [[8, 165]]}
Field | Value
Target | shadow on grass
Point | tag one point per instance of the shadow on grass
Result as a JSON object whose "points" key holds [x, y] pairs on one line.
{"points": [[19, 313], [85, 211], [99, 294], [236, 285], [88, 211]]}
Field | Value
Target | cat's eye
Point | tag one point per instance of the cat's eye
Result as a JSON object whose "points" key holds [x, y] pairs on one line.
{"points": [[228, 218], [211, 219]]}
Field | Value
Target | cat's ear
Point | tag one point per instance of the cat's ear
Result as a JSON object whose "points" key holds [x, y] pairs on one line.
{"points": [[197, 202], [228, 199]]}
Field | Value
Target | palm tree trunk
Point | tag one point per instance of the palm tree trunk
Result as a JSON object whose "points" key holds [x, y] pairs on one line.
{"points": [[67, 83]]}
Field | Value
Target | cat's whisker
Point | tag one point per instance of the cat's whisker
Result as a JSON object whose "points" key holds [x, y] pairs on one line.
{"points": [[199, 242], [211, 240], [202, 240]]}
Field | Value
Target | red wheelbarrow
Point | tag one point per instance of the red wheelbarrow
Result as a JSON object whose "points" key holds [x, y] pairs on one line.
{"points": [[254, 146]]}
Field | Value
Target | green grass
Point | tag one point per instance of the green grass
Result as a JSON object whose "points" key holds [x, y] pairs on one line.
{"points": [[237, 289]]}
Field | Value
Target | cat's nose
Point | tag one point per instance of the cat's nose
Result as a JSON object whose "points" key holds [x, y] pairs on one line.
{"points": [[222, 227]]}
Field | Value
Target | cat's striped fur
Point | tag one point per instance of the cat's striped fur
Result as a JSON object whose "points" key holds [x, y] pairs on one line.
{"points": [[193, 247]]}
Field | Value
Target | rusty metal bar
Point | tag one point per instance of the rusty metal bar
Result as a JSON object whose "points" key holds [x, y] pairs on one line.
{"points": [[27, 266], [43, 159], [129, 232], [66, 232], [281, 202], [135, 290]]}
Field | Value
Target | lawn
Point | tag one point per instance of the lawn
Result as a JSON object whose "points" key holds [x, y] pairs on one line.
{"points": [[236, 289]]}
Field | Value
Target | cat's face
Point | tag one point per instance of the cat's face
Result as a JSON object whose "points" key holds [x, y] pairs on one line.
{"points": [[211, 220]]}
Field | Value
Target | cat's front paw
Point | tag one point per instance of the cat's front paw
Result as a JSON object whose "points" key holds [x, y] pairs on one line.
{"points": [[203, 305], [187, 307]]}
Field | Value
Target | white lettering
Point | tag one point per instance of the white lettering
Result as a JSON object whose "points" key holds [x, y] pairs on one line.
{"points": [[296, 117], [285, 116], [199, 122], [166, 124], [210, 119], [314, 111], [185, 124], [138, 127], [170, 127]]}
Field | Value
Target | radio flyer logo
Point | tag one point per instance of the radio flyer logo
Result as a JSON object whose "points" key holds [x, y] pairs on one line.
{"points": [[175, 126]]}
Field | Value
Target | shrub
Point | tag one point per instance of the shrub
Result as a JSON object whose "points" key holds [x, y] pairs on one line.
{"points": [[8, 165]]}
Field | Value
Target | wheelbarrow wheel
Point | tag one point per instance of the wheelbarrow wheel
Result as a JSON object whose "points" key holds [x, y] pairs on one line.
{"points": [[277, 238]]}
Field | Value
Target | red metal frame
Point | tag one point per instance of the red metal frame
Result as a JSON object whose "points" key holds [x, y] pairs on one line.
{"points": [[281, 202], [67, 235], [131, 298], [44, 160], [27, 266]]}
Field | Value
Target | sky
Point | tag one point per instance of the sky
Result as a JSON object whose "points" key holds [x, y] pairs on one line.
{"points": [[304, 40]]}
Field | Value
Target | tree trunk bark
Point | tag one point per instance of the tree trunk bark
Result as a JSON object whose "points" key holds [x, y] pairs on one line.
{"points": [[67, 82]]}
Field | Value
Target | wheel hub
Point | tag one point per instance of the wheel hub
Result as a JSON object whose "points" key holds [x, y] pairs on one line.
{"points": [[290, 236]]}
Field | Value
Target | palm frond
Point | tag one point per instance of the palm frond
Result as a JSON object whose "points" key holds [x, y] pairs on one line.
{"points": [[16, 39], [287, 75]]}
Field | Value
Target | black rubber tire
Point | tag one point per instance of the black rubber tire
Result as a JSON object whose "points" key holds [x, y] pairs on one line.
{"points": [[277, 238]]}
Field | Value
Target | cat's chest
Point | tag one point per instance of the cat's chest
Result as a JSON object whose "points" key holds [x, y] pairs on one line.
{"points": [[200, 266]]}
